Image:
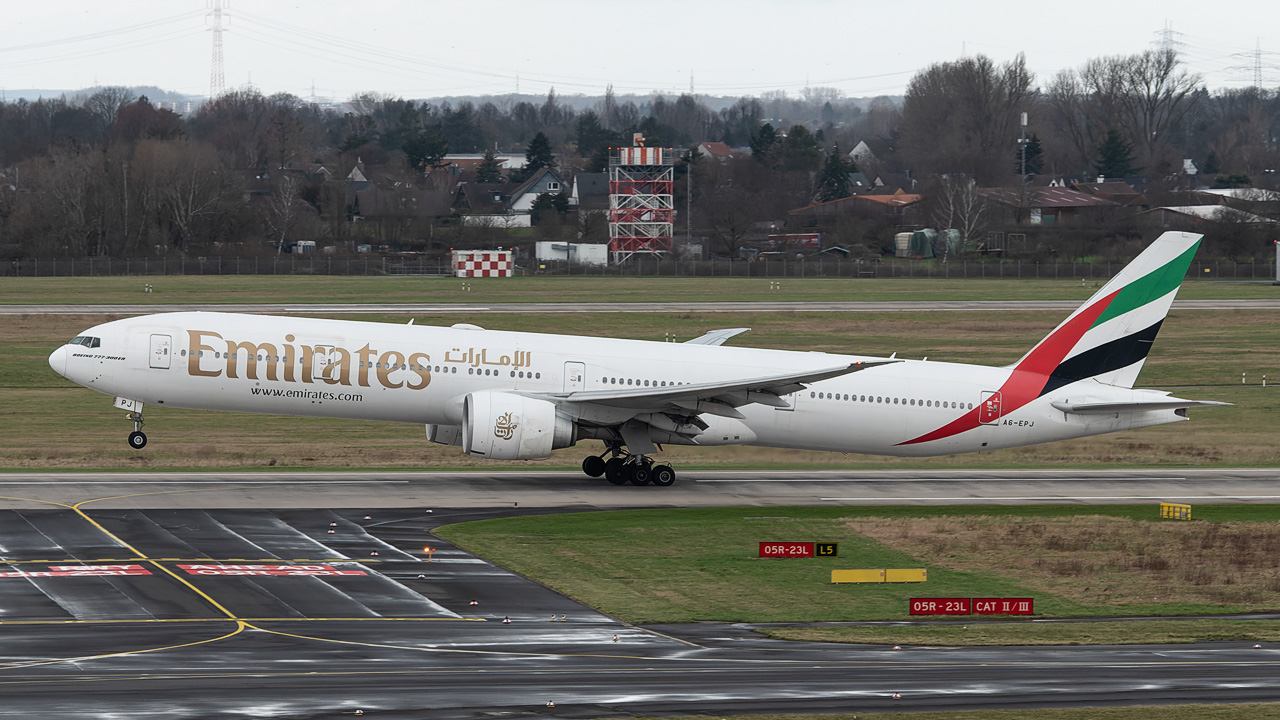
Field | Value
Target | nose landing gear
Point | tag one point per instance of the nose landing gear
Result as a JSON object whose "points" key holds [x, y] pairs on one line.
{"points": [[137, 438]]}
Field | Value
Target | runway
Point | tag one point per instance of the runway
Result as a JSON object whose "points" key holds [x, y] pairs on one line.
{"points": [[550, 308], [112, 612], [488, 489]]}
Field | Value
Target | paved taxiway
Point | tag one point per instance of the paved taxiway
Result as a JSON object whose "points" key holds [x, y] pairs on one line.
{"points": [[636, 307], [177, 596]]}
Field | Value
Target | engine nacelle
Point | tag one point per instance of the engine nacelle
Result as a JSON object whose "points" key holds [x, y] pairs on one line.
{"points": [[503, 426]]}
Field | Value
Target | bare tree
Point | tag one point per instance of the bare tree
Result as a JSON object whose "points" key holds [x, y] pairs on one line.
{"points": [[194, 183], [961, 117], [282, 211], [105, 104], [958, 206], [1141, 96]]}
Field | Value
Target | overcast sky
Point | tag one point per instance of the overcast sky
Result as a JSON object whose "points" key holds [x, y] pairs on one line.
{"points": [[429, 48]]}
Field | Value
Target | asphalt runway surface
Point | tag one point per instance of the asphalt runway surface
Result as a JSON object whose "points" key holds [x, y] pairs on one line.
{"points": [[177, 596], [576, 307]]}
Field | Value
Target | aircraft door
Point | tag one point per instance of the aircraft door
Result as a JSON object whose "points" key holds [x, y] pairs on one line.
{"points": [[324, 361], [989, 409], [575, 376], [161, 347]]}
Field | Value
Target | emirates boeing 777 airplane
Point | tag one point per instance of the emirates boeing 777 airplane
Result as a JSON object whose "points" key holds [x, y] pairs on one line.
{"points": [[518, 395]]}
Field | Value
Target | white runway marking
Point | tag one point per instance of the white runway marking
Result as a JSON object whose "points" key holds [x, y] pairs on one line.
{"points": [[1108, 478], [210, 482], [988, 498]]}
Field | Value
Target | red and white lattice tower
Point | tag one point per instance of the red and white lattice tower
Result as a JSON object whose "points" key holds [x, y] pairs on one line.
{"points": [[641, 212]]}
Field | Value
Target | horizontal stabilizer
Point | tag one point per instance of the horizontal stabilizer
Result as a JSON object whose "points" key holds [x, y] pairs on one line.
{"points": [[1104, 408]]}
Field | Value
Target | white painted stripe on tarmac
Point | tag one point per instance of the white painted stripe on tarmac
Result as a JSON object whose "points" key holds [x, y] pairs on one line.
{"points": [[991, 498], [1056, 478], [73, 481]]}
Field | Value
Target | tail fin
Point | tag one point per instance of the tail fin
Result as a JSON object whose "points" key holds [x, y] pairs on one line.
{"points": [[1108, 337]]}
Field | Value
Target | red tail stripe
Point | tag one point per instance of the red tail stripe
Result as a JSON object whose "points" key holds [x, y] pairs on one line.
{"points": [[1030, 375]]}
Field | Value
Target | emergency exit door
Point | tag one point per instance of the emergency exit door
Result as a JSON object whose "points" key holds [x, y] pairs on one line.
{"points": [[989, 409], [161, 351], [575, 376]]}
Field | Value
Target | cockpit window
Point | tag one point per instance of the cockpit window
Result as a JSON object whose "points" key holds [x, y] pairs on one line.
{"points": [[86, 341], [78, 340], [96, 342]]}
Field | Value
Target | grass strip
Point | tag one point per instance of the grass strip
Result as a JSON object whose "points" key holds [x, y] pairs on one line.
{"points": [[1120, 632], [220, 289], [692, 564]]}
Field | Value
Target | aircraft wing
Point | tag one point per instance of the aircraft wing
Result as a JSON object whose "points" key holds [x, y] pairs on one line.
{"points": [[1088, 407], [716, 398]]}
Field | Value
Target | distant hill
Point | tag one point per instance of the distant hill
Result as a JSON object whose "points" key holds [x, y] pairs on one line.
{"points": [[152, 92]]}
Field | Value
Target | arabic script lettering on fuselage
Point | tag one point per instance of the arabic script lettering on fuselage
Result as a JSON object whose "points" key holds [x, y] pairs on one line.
{"points": [[209, 354]]}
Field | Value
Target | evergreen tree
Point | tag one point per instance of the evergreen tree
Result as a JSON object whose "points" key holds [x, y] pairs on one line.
{"points": [[833, 181], [1034, 157], [1115, 157], [425, 149], [800, 150], [1212, 166], [762, 142], [549, 203], [538, 155], [489, 170], [591, 134]]}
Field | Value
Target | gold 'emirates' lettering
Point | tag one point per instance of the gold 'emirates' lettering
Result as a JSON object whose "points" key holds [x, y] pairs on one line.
{"points": [[320, 363]]}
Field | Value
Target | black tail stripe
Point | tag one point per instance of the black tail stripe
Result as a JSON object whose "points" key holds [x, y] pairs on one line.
{"points": [[1108, 357]]}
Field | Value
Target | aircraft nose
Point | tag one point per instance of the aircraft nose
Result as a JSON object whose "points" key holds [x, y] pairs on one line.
{"points": [[58, 360]]}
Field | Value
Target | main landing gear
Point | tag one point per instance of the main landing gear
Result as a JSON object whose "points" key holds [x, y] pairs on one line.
{"points": [[137, 438], [624, 467]]}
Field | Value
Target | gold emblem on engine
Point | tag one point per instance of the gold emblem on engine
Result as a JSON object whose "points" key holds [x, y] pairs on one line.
{"points": [[503, 429]]}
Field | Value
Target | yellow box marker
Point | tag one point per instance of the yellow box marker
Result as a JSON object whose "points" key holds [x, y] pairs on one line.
{"points": [[1175, 511], [857, 576], [900, 575]]}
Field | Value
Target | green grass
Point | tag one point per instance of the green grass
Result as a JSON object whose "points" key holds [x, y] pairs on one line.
{"points": [[688, 565], [1251, 711], [978, 632], [342, 289]]}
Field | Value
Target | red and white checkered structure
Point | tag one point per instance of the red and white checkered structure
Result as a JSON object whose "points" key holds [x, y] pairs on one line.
{"points": [[481, 263]]}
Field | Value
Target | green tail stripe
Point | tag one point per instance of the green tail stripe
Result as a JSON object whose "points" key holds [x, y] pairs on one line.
{"points": [[1152, 286]]}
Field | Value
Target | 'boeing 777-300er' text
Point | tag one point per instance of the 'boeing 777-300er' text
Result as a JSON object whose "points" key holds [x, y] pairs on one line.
{"points": [[518, 396]]}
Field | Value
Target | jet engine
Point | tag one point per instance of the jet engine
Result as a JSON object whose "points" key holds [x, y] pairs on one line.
{"points": [[503, 426]]}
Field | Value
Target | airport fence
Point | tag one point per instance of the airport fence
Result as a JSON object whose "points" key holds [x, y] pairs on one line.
{"points": [[642, 267]]}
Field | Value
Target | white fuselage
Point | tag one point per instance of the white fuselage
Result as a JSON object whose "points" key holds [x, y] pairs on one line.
{"points": [[420, 374]]}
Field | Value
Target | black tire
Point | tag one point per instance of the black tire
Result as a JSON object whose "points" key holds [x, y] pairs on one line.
{"points": [[593, 466], [616, 472], [137, 440], [663, 475], [641, 474]]}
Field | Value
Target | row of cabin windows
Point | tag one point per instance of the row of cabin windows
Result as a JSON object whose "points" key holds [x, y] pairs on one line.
{"points": [[495, 373], [86, 341], [378, 366], [895, 401], [638, 382]]}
